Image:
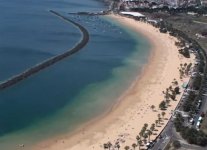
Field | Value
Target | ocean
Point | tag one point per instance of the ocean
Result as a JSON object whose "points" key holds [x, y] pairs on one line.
{"points": [[71, 92]]}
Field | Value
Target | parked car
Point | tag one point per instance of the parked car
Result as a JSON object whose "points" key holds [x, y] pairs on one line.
{"points": [[198, 106], [198, 125], [191, 121], [150, 144], [200, 119], [202, 114]]}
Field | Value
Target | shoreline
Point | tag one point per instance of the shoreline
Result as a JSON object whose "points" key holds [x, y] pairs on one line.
{"points": [[134, 103]]}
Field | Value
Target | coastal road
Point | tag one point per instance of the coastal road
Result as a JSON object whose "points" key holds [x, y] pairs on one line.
{"points": [[31, 71], [170, 134], [165, 135], [167, 132], [204, 102], [204, 97], [200, 22]]}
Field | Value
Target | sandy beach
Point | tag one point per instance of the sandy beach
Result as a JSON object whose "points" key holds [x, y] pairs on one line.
{"points": [[125, 120]]}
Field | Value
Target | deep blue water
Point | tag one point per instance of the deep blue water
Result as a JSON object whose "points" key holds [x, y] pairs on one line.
{"points": [[29, 34]]}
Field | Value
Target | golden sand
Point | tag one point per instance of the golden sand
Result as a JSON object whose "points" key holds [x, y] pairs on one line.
{"points": [[126, 119]]}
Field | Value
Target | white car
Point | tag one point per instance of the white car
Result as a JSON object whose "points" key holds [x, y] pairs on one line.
{"points": [[198, 125]]}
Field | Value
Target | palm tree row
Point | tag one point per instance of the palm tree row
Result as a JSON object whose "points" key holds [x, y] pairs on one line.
{"points": [[145, 132]]}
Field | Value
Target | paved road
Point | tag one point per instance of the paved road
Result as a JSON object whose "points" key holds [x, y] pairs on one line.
{"points": [[200, 22], [166, 137], [169, 132], [204, 103]]}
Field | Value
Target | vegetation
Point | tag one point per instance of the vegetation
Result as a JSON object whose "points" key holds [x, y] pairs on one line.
{"points": [[204, 125], [163, 114], [180, 43], [178, 122], [197, 82], [107, 145], [175, 82], [176, 144], [126, 147], [171, 10], [188, 67], [152, 128], [134, 145], [184, 69], [156, 122], [163, 30], [118, 146], [190, 103], [145, 136], [138, 138], [162, 105], [145, 127], [149, 133], [177, 90], [152, 107], [140, 143], [185, 52], [192, 135]]}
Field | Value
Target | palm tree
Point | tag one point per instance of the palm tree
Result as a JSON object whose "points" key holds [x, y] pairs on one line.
{"points": [[152, 128], [167, 102], [163, 114], [138, 138], [142, 132], [149, 133], [170, 88], [152, 107], [134, 145], [105, 145], [118, 146], [185, 64], [156, 122], [145, 136], [126, 147], [167, 95], [109, 145], [175, 82], [159, 120], [158, 115], [145, 125], [140, 143]]}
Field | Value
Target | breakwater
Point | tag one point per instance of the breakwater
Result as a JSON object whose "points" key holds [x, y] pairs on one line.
{"points": [[84, 40], [106, 12]]}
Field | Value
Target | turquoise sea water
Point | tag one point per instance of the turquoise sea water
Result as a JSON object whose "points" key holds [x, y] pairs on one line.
{"points": [[71, 92]]}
